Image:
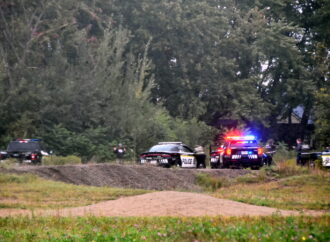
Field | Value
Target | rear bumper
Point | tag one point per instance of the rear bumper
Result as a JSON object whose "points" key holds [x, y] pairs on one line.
{"points": [[243, 162]]}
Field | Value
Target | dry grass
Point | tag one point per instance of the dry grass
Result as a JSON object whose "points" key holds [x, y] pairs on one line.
{"points": [[30, 192], [310, 191]]}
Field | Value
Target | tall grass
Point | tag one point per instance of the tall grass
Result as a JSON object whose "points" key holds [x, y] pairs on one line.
{"points": [[289, 168], [283, 153]]}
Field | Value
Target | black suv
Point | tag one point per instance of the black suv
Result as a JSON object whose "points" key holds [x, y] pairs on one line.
{"points": [[25, 150]]}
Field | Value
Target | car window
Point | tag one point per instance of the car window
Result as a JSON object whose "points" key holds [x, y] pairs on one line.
{"points": [[186, 149], [164, 148], [22, 147], [243, 143]]}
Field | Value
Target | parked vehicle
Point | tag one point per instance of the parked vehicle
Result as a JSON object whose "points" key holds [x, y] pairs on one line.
{"points": [[239, 151], [3, 155], [169, 154], [25, 150], [325, 155]]}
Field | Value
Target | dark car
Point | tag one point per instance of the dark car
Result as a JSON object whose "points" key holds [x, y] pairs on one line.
{"points": [[169, 154], [25, 150], [239, 151], [3, 155]]}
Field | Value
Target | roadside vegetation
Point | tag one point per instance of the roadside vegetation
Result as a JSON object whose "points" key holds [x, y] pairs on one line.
{"points": [[273, 228], [32, 192], [283, 186]]}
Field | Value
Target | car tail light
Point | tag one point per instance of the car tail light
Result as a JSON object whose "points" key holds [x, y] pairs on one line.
{"points": [[219, 150], [166, 156], [259, 151], [33, 156], [228, 151]]}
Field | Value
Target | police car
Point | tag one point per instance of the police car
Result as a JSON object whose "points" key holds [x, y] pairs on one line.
{"points": [[167, 154], [238, 151], [325, 155], [25, 150]]}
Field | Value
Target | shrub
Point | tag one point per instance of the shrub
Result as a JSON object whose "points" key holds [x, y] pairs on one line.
{"points": [[283, 153], [61, 160]]}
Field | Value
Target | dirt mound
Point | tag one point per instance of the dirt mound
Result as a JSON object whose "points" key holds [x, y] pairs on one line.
{"points": [[162, 204], [126, 176]]}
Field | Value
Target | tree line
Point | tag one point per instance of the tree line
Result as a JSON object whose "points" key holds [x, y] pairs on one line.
{"points": [[86, 75]]}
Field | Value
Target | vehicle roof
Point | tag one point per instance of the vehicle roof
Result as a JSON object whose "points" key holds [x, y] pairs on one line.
{"points": [[23, 146], [166, 143]]}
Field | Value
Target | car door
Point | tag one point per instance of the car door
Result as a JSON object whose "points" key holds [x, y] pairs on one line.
{"points": [[187, 157]]}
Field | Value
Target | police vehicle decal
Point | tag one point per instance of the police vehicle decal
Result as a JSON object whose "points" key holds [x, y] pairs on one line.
{"points": [[188, 161], [326, 158]]}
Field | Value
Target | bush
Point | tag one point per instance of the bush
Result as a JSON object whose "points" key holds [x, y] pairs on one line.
{"points": [[61, 160], [283, 153]]}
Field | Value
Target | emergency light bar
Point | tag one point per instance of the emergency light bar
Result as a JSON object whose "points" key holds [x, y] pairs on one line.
{"points": [[167, 143], [27, 140], [246, 137]]}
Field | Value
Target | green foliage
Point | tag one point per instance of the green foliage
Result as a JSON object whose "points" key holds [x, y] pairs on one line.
{"points": [[104, 72], [166, 229], [322, 113], [283, 153], [210, 182], [11, 178], [61, 160]]}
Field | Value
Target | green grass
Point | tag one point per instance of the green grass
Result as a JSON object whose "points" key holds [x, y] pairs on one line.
{"points": [[273, 228], [31, 192], [310, 191]]}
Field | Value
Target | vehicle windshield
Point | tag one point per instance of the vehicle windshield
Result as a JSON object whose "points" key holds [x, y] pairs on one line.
{"points": [[23, 147], [243, 143], [164, 148]]}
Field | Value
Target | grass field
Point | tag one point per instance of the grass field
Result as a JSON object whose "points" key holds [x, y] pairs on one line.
{"points": [[272, 228], [310, 191], [280, 187], [31, 192]]}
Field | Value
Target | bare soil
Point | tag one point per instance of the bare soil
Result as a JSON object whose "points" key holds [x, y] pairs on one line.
{"points": [[166, 203], [127, 176]]}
